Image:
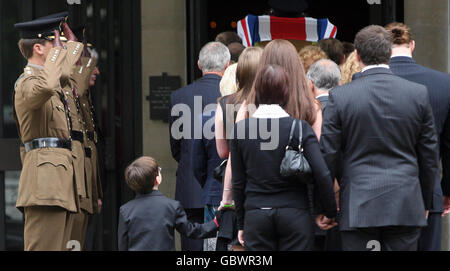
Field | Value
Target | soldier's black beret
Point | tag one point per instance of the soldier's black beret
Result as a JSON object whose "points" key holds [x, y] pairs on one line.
{"points": [[41, 28]]}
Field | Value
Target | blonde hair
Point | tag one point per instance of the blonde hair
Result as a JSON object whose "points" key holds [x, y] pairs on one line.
{"points": [[311, 54], [228, 84], [349, 68]]}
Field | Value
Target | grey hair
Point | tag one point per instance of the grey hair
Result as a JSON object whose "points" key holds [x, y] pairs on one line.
{"points": [[214, 57], [325, 74], [93, 52]]}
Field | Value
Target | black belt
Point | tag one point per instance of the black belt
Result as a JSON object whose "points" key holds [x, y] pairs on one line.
{"points": [[88, 152], [92, 136], [78, 136], [50, 142]]}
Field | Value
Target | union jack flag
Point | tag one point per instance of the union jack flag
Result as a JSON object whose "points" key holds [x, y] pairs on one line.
{"points": [[253, 29]]}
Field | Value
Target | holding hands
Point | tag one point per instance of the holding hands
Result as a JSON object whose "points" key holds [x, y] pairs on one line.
{"points": [[325, 223]]}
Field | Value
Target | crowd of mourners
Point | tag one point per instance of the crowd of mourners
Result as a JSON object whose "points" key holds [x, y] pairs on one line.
{"points": [[371, 123]]}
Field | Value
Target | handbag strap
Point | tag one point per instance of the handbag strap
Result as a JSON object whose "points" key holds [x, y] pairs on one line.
{"points": [[291, 134], [300, 135]]}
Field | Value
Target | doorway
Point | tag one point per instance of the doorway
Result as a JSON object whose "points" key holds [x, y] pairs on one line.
{"points": [[206, 19]]}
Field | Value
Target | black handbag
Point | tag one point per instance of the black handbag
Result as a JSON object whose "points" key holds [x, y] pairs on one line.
{"points": [[219, 171], [294, 164]]}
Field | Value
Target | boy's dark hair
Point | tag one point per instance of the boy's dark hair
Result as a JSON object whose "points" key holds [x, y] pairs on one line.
{"points": [[141, 174], [26, 46], [374, 44]]}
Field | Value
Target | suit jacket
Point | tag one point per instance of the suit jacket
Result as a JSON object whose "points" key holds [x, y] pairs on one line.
{"points": [[206, 91], [47, 177], [380, 129], [204, 160], [148, 223], [323, 101], [438, 85]]}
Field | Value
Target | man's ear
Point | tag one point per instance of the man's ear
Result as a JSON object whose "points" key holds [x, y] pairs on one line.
{"points": [[311, 86], [226, 66], [412, 46], [198, 64], [37, 49], [358, 57]]}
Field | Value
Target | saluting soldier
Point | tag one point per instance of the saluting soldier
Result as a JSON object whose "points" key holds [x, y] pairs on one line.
{"points": [[84, 79], [86, 76], [78, 136], [81, 79], [48, 193]]}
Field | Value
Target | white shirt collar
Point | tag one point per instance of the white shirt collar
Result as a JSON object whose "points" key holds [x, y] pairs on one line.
{"points": [[403, 55], [375, 66], [323, 95], [270, 111]]}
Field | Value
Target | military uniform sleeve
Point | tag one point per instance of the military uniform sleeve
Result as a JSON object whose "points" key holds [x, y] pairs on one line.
{"points": [[74, 50], [81, 75], [193, 230], [36, 90]]}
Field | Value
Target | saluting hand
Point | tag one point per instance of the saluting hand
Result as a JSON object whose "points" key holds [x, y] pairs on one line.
{"points": [[57, 41], [68, 33]]}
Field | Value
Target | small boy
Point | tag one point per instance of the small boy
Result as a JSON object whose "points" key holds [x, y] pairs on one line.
{"points": [[148, 222]]}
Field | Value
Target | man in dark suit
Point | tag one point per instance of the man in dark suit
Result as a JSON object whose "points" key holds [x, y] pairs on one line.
{"points": [[438, 85], [186, 104], [323, 75], [205, 160], [382, 128]]}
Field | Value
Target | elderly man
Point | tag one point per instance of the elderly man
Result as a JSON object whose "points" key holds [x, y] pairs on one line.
{"points": [[186, 104], [386, 145], [324, 75]]}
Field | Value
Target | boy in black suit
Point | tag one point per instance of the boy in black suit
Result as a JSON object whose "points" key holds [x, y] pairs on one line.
{"points": [[148, 222]]}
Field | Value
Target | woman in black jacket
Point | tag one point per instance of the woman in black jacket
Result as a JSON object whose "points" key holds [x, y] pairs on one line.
{"points": [[272, 211]]}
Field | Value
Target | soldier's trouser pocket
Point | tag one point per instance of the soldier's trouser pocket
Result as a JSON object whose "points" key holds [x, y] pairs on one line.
{"points": [[54, 180]]}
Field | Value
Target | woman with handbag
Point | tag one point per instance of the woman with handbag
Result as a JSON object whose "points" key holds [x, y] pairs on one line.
{"points": [[272, 210]]}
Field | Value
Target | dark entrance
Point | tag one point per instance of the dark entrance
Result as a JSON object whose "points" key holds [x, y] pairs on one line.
{"points": [[114, 29]]}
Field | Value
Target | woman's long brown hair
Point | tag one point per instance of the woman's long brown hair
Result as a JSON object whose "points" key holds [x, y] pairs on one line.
{"points": [[301, 101], [245, 74]]}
